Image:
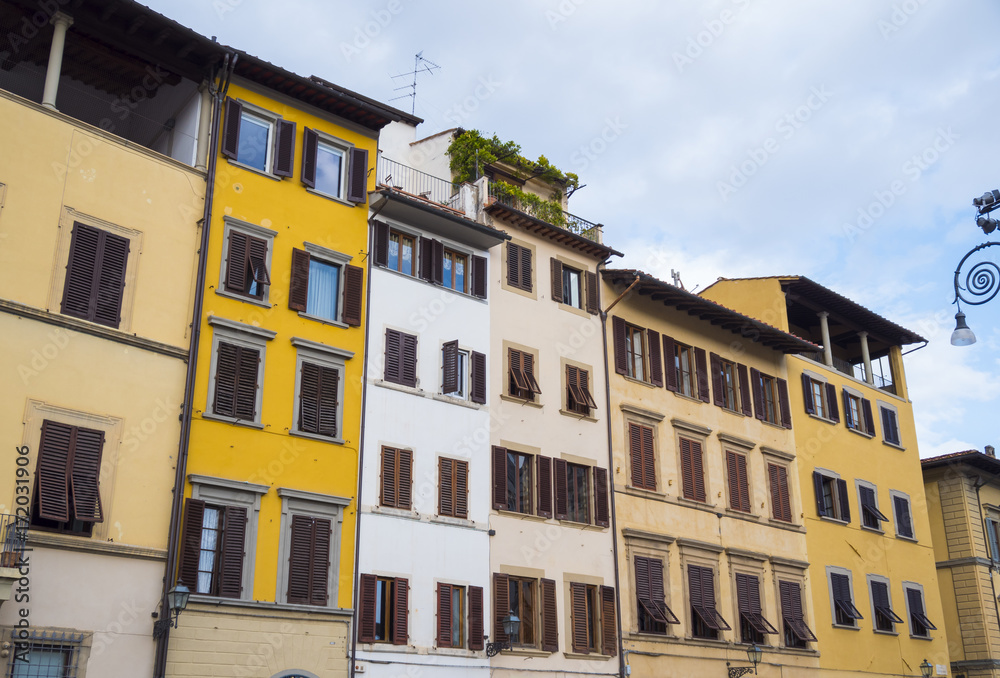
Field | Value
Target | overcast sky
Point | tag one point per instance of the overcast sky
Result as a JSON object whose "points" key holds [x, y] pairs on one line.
{"points": [[843, 141]]}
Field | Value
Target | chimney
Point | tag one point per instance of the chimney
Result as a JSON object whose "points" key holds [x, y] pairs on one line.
{"points": [[990, 451]]}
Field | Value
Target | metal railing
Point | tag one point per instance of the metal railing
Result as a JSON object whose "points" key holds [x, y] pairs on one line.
{"points": [[413, 181], [546, 210], [14, 533]]}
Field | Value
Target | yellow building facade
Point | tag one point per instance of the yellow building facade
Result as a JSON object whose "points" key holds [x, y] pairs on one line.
{"points": [[874, 584]]}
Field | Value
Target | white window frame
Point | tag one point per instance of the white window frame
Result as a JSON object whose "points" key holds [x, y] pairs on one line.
{"points": [[819, 378], [246, 228], [325, 356], [345, 148], [465, 376], [313, 504], [908, 585], [895, 520], [271, 119], [871, 602], [833, 569], [240, 334], [334, 258], [858, 484]]}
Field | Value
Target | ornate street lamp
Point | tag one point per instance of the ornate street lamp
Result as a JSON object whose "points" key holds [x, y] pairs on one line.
{"points": [[754, 653], [925, 669], [177, 600], [982, 279], [511, 627]]}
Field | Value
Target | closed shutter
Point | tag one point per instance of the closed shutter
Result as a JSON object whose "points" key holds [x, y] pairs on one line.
{"points": [[354, 282], [845, 506], [560, 471], [400, 621], [190, 546], [393, 356], [671, 379], [478, 375], [284, 148], [758, 395], [224, 402], [919, 623], [233, 552], [404, 478], [444, 613], [655, 359], [329, 392], [298, 287], [300, 559], [784, 407], [718, 383], [904, 524], [745, 401], [714, 619], [701, 361], [81, 269], [437, 247], [449, 366], [831, 401], [807, 394], [618, 334], [557, 280], [461, 489], [739, 491], [525, 265], [513, 265], [648, 461], [544, 465], [609, 629], [499, 477], [692, 470], [635, 454], [320, 562], [310, 147], [357, 189], [408, 360], [236, 262], [550, 620], [446, 487], [381, 245], [367, 604], [246, 383], [309, 398], [841, 586], [578, 602], [85, 476], [501, 605], [475, 618], [818, 479], [780, 506], [111, 279], [601, 509], [479, 280], [866, 410], [748, 597], [593, 294], [650, 590], [231, 128]]}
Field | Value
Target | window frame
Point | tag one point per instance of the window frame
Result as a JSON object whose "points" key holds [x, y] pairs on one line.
{"points": [[269, 120], [584, 472], [770, 399], [884, 409], [532, 481], [78, 527], [897, 494], [536, 613], [464, 376], [680, 350], [344, 148], [231, 224], [877, 614], [725, 392], [927, 624], [414, 251], [873, 512], [247, 336], [631, 332], [511, 390], [327, 357], [836, 495], [467, 267], [75, 646], [835, 611], [313, 505], [330, 257], [572, 404], [463, 616]]}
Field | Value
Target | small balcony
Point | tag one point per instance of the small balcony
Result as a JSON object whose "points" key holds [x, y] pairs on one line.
{"points": [[13, 535], [418, 184], [545, 210]]}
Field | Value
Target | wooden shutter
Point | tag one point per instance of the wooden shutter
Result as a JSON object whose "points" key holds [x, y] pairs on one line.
{"points": [[784, 407], [818, 479], [224, 402], [780, 506], [845, 506], [550, 620], [404, 478], [580, 634], [231, 128], [602, 514], [544, 465], [257, 264], [393, 356], [400, 622], [848, 417], [381, 245], [299, 559], [479, 280], [357, 189], [618, 333], [444, 613], [692, 470], [758, 395], [475, 618], [426, 259], [284, 148], [85, 475], [501, 605], [367, 603], [702, 365], [718, 381], [593, 293], [560, 474], [655, 359], [478, 375], [525, 264], [499, 477], [437, 248], [449, 366], [831, 402], [739, 492], [233, 551], [446, 487], [236, 262], [110, 285], [461, 488], [807, 394], [388, 493], [298, 288], [329, 392], [319, 562], [904, 524], [609, 629], [310, 146], [190, 546], [354, 282], [743, 593], [745, 402], [408, 360], [791, 610], [635, 454], [247, 363], [81, 269], [866, 410], [513, 265], [671, 379], [309, 398], [557, 280]]}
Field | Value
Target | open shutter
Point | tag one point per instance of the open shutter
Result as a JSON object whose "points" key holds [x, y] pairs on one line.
{"points": [[389, 464], [257, 258], [479, 281], [670, 363], [499, 477], [449, 366], [400, 621], [609, 629], [544, 465], [655, 359], [444, 615], [718, 384], [85, 474], [580, 633], [111, 280], [461, 489], [233, 543], [550, 621], [381, 245], [475, 618], [618, 333], [478, 375], [745, 402], [701, 361], [783, 405], [562, 495], [807, 394], [393, 356], [81, 269], [437, 247], [818, 487], [557, 280], [354, 282], [866, 410], [367, 603], [845, 506], [310, 146], [190, 546], [246, 383], [426, 259], [298, 287], [743, 594], [357, 190], [284, 148], [848, 417], [831, 401], [329, 391], [408, 360], [299, 559], [446, 487], [593, 293], [224, 402], [501, 605], [231, 128], [404, 478], [236, 262], [601, 510], [758, 394]]}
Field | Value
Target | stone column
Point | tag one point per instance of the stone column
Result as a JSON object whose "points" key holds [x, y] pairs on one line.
{"points": [[61, 22], [204, 128], [869, 377], [824, 327]]}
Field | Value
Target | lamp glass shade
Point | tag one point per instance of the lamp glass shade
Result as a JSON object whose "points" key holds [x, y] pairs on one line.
{"points": [[177, 597], [962, 336], [926, 669], [511, 625], [754, 653]]}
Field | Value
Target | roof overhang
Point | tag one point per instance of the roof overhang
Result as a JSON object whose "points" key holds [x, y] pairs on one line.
{"points": [[436, 219], [973, 458], [514, 217]]}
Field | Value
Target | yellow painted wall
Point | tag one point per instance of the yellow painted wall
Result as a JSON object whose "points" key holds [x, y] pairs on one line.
{"points": [[759, 298]]}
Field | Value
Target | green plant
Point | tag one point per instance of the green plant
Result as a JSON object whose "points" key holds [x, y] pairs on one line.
{"points": [[546, 210], [470, 152]]}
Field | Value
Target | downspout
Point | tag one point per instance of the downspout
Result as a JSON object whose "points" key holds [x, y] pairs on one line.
{"points": [[160, 657], [982, 522]]}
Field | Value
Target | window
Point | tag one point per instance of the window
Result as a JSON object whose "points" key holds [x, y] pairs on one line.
{"points": [[920, 625], [213, 545], [453, 488], [820, 398], [452, 614], [333, 167], [455, 266], [533, 601], [572, 485], [831, 496], [692, 470], [323, 285], [67, 495], [400, 358], [890, 425], [781, 508], [574, 286], [684, 364], [521, 374], [319, 399], [401, 249], [871, 517], [770, 399], [578, 398], [519, 266], [654, 615], [246, 265], [46, 654], [309, 560], [739, 485], [258, 139], [642, 461], [706, 622], [796, 632], [95, 275], [635, 352], [577, 493], [992, 533], [753, 625], [593, 619], [730, 392], [882, 614], [631, 345], [254, 148], [397, 478], [730, 383], [455, 270], [384, 610], [572, 283], [518, 482], [463, 373], [858, 414], [844, 612], [237, 370]]}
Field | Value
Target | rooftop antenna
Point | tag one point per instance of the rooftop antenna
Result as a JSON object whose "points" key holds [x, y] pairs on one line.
{"points": [[420, 65]]}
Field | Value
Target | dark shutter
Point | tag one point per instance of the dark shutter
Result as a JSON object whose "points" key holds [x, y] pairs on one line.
{"points": [[745, 402], [692, 470], [848, 417], [224, 402], [513, 265], [309, 398], [739, 491], [601, 510], [437, 247], [190, 547], [357, 190], [400, 621], [525, 265], [329, 391], [557, 280], [609, 629], [550, 621], [758, 394], [866, 410], [478, 375], [246, 383], [544, 486], [449, 366], [831, 401], [718, 382], [780, 506], [559, 474], [593, 293], [618, 333], [233, 543], [446, 487], [111, 279], [408, 360], [320, 562], [783, 405], [444, 613], [354, 282], [476, 618], [284, 148], [367, 603], [904, 524], [648, 462], [426, 259], [461, 488], [818, 487], [381, 251], [298, 287], [501, 604], [499, 477], [479, 280], [702, 365], [81, 268], [257, 262], [845, 506], [655, 359], [641, 456], [231, 128], [791, 610], [671, 378], [310, 145], [807, 394], [85, 476], [300, 559], [580, 633], [236, 262], [393, 356], [404, 478], [389, 465]]}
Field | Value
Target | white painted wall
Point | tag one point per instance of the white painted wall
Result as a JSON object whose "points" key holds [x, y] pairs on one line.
{"points": [[398, 141]]}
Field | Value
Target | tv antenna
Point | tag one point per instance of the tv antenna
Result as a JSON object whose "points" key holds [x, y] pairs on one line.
{"points": [[420, 65]]}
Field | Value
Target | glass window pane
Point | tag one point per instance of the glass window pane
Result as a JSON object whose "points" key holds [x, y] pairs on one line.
{"points": [[460, 274], [324, 289], [456, 616], [253, 149], [42, 663], [448, 269], [209, 547], [406, 262], [329, 169]]}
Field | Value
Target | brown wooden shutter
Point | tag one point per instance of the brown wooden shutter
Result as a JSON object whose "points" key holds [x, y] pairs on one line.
{"points": [[525, 275], [309, 398], [618, 333], [557, 280], [831, 401], [381, 245], [85, 476], [81, 271], [601, 510], [438, 250], [845, 505], [329, 391], [744, 482], [593, 293], [807, 394], [479, 280], [550, 618], [393, 356], [758, 394], [298, 288], [562, 495], [732, 475], [648, 461], [231, 128], [400, 622], [609, 629], [408, 360], [389, 465], [310, 147], [319, 562], [866, 410], [284, 148], [236, 262], [743, 601], [578, 605], [367, 603], [461, 489], [687, 469], [784, 407], [224, 402], [818, 489], [246, 383], [848, 417], [499, 477], [478, 375], [233, 552], [778, 477], [501, 605], [718, 381], [635, 454], [257, 264], [354, 282], [745, 402], [449, 366], [299, 559], [671, 380], [357, 190], [513, 265], [475, 618], [655, 359], [446, 487], [544, 465], [190, 546], [698, 471], [404, 478], [444, 613], [110, 285], [426, 259], [702, 366]]}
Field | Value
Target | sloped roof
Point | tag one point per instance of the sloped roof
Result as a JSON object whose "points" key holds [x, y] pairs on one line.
{"points": [[974, 458]]}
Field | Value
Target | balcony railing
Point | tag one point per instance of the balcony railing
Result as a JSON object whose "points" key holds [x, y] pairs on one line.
{"points": [[547, 211], [14, 533], [413, 181]]}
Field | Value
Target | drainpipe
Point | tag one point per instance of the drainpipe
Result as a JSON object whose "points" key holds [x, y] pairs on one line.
{"points": [[61, 23], [160, 658]]}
